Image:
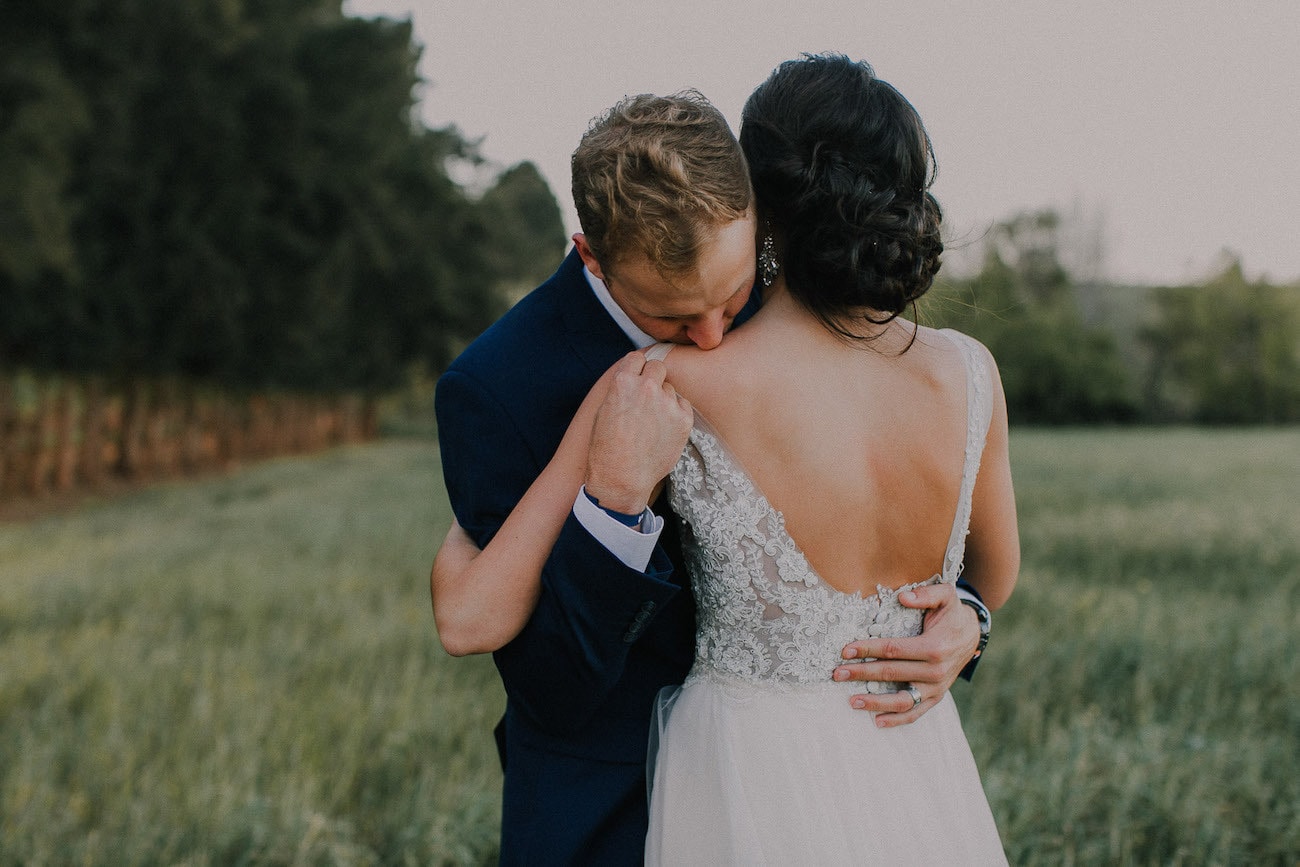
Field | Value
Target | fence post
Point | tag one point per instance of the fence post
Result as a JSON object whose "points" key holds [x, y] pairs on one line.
{"points": [[44, 430], [92, 432], [65, 468], [135, 418], [6, 431]]}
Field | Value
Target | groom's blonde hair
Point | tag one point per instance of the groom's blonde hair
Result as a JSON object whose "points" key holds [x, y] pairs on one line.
{"points": [[656, 175]]}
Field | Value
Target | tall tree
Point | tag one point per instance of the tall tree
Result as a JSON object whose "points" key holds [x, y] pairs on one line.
{"points": [[525, 231], [41, 114]]}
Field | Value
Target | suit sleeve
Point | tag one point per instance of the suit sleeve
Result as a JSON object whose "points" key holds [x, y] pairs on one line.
{"points": [[969, 671], [592, 608]]}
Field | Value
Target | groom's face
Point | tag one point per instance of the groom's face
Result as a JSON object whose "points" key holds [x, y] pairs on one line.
{"points": [[697, 307]]}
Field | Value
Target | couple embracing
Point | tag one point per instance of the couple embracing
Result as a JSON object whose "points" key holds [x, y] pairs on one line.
{"points": [[760, 559]]}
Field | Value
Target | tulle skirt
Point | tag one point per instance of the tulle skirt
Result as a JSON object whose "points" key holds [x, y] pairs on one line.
{"points": [[745, 775]]}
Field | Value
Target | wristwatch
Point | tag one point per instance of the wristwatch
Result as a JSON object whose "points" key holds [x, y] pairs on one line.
{"points": [[985, 619]]}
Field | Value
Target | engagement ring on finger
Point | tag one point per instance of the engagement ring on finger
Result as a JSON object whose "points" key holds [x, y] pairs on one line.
{"points": [[915, 694]]}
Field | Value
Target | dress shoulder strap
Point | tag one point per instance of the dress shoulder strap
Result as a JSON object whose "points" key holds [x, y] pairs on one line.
{"points": [[979, 413], [659, 351]]}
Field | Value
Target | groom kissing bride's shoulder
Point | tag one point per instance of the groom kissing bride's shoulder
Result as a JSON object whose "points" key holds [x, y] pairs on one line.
{"points": [[825, 460]]}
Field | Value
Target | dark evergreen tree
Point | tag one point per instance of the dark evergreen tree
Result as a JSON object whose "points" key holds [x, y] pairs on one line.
{"points": [[240, 192]]}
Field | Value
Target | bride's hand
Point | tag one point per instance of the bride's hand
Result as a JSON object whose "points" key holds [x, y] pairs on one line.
{"points": [[638, 434], [930, 662]]}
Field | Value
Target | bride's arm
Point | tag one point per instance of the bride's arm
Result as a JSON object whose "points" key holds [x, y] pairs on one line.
{"points": [[481, 600]]}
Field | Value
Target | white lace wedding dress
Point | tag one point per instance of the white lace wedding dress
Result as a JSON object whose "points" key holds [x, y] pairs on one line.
{"points": [[759, 757]]}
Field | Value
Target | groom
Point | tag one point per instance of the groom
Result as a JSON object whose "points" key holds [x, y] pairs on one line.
{"points": [[666, 253]]}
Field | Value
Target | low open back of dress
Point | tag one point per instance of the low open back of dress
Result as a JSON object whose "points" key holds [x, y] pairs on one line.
{"points": [[759, 759]]}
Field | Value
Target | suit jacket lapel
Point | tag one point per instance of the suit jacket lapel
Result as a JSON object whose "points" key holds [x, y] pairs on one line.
{"points": [[590, 331]]}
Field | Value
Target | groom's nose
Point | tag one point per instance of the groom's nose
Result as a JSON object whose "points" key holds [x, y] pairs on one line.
{"points": [[707, 332]]}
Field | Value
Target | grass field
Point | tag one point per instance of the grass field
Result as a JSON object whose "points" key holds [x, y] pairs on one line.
{"points": [[244, 670]]}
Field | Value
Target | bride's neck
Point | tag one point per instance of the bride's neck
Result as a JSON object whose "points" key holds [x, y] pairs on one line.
{"points": [[780, 306]]}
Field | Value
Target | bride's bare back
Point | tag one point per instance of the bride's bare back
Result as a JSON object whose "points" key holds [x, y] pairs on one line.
{"points": [[858, 444]]}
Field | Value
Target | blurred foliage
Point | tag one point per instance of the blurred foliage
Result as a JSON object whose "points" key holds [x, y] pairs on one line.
{"points": [[1056, 368], [1226, 352], [240, 191], [1076, 352], [520, 212]]}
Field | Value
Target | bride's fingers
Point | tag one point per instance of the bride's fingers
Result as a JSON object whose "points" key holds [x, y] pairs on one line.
{"points": [[656, 371], [632, 363], [683, 405]]}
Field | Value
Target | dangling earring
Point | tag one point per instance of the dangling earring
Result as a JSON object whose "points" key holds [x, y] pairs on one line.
{"points": [[768, 267]]}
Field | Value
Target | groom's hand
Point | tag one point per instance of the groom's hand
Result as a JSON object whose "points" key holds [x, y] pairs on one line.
{"points": [[637, 436], [930, 661]]}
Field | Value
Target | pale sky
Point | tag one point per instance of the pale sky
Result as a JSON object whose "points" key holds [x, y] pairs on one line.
{"points": [[1170, 127]]}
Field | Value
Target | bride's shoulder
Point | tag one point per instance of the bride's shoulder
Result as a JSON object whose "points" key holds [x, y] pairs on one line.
{"points": [[697, 372], [973, 355], [952, 338]]}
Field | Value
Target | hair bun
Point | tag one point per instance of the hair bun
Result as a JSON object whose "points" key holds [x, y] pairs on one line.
{"points": [[840, 163]]}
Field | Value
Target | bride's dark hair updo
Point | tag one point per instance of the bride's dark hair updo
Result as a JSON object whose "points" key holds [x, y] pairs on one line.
{"points": [[841, 166]]}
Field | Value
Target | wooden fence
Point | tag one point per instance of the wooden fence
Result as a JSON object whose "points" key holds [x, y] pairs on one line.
{"points": [[63, 433]]}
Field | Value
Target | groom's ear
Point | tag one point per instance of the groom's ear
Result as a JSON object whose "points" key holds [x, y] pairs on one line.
{"points": [[588, 258]]}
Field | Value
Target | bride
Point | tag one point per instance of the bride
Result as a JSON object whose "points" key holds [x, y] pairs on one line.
{"points": [[839, 455]]}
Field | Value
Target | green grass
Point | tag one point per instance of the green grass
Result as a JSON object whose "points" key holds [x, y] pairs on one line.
{"points": [[244, 670], [1141, 704]]}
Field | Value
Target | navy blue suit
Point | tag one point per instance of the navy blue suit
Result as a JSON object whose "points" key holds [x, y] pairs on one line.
{"points": [[581, 678]]}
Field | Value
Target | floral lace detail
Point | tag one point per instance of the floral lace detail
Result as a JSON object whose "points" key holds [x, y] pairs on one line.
{"points": [[763, 613]]}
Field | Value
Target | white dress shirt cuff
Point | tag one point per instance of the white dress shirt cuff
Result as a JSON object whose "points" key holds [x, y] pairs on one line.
{"points": [[631, 545]]}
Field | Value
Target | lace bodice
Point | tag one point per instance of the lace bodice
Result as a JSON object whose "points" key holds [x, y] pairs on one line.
{"points": [[763, 613]]}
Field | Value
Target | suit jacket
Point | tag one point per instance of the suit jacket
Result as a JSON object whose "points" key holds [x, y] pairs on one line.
{"points": [[581, 678]]}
